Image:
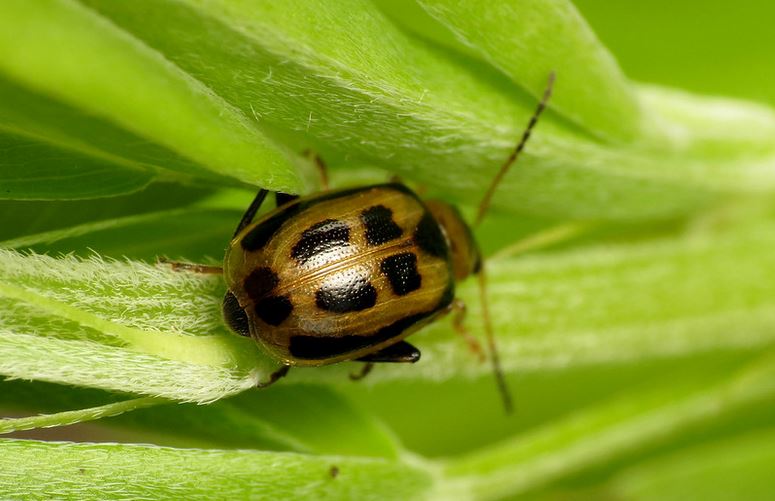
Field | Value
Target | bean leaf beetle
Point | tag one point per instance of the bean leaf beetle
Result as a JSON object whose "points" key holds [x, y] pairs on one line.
{"points": [[349, 274]]}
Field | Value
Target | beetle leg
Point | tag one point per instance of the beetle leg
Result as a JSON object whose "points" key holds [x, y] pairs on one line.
{"points": [[281, 199], [247, 218], [321, 166], [458, 322], [398, 353], [275, 376], [357, 376], [205, 269]]}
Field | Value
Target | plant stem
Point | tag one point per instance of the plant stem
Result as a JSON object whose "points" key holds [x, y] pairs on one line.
{"points": [[10, 425]]}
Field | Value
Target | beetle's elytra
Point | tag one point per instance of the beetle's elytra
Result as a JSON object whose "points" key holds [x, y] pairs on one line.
{"points": [[348, 274]]}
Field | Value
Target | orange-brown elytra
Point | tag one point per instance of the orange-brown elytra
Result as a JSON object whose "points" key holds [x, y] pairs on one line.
{"points": [[349, 274]]}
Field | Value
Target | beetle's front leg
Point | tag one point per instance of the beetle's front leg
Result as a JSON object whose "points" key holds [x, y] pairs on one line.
{"points": [[191, 267], [275, 376]]}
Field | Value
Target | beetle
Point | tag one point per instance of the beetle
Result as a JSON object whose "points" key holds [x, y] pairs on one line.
{"points": [[349, 274]]}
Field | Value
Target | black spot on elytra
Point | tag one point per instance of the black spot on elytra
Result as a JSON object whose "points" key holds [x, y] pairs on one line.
{"points": [[259, 236], [323, 347], [379, 224], [401, 272], [429, 238], [260, 282], [274, 309], [235, 316], [320, 237], [347, 292]]}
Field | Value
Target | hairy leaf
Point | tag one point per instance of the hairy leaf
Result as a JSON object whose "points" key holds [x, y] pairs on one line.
{"points": [[124, 104], [114, 471]]}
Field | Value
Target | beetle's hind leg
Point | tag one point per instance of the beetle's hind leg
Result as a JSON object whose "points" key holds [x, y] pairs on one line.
{"points": [[204, 269]]}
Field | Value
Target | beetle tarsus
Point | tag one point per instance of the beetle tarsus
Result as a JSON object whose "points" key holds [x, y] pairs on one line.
{"points": [[275, 376], [365, 370]]}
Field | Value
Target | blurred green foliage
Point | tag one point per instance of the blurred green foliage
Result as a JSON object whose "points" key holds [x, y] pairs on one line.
{"points": [[639, 352]]}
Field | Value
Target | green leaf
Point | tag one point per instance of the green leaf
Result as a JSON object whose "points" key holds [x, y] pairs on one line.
{"points": [[713, 471], [439, 119], [526, 40], [112, 471], [199, 233], [43, 217], [102, 76], [282, 418], [630, 349], [121, 326], [33, 170], [587, 439]]}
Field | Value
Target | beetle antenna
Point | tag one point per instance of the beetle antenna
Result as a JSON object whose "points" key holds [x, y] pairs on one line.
{"points": [[484, 205], [500, 379]]}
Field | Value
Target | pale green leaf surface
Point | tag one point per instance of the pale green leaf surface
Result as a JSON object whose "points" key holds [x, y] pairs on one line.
{"points": [[739, 467], [412, 109], [111, 325], [114, 471], [154, 101], [411, 408], [527, 39], [589, 438]]}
